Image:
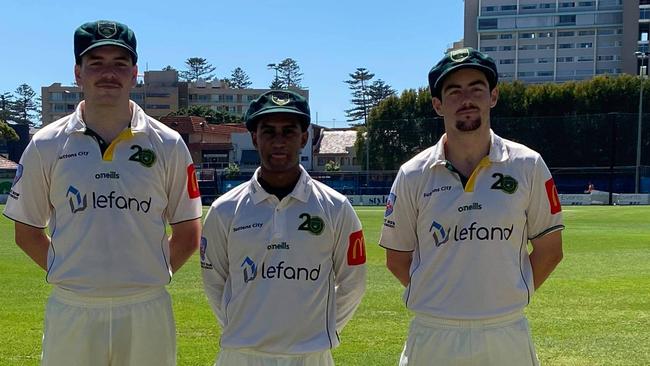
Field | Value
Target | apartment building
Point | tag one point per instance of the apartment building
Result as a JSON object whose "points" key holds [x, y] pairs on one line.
{"points": [[559, 40], [158, 93]]}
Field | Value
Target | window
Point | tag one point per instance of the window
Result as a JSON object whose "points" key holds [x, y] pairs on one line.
{"points": [[527, 47], [529, 7], [586, 3], [606, 58], [505, 36], [546, 46], [586, 33], [507, 48], [566, 20], [585, 45], [157, 106], [585, 58], [606, 32], [567, 4], [565, 45], [487, 23], [566, 34], [644, 13], [526, 60], [507, 61], [527, 35], [545, 73], [304, 158], [584, 72], [158, 95], [488, 49], [544, 60], [565, 59], [547, 6], [489, 8], [545, 35], [488, 37], [508, 7], [506, 75], [603, 71], [526, 74]]}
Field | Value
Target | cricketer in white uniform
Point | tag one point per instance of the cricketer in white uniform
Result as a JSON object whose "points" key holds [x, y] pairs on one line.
{"points": [[106, 180], [457, 225], [283, 255]]}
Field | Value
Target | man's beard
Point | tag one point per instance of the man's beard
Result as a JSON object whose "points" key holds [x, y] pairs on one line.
{"points": [[465, 125]]}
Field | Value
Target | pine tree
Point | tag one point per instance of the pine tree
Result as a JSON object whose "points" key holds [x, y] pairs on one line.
{"points": [[197, 68], [359, 86], [24, 107], [289, 73], [379, 91], [239, 79]]}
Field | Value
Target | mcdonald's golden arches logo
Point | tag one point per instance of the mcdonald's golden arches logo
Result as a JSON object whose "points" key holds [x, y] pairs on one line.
{"points": [[356, 249]]}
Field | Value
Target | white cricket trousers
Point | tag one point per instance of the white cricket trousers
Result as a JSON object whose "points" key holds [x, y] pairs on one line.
{"points": [[502, 341], [135, 330], [246, 357]]}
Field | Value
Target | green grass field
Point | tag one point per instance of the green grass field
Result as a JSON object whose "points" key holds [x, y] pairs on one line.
{"points": [[593, 310]]}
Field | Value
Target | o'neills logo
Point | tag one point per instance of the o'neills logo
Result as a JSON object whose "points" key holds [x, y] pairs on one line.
{"points": [[473, 206], [108, 175]]}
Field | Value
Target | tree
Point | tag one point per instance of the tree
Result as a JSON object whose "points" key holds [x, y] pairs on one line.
{"points": [[277, 84], [231, 171], [6, 113], [289, 73], [358, 84], [332, 166], [168, 68], [379, 91], [7, 133], [210, 115], [24, 107], [239, 79], [197, 68]]}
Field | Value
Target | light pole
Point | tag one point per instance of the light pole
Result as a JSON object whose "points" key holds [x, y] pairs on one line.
{"points": [[642, 75], [274, 67]]}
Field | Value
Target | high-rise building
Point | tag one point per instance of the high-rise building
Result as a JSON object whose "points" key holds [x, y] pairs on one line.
{"points": [[559, 40]]}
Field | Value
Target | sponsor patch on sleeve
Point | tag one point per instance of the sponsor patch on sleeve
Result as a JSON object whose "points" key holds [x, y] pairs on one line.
{"points": [[205, 264], [390, 202], [553, 198], [356, 249], [192, 183], [19, 174]]}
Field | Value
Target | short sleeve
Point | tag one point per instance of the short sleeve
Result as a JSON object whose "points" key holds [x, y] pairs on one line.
{"points": [[28, 200], [182, 186], [544, 212], [400, 217]]}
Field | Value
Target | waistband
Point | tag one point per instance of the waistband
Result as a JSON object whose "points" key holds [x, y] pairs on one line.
{"points": [[473, 323], [73, 298], [252, 352]]}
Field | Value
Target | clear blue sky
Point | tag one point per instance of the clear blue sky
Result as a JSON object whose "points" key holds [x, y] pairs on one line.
{"points": [[398, 40]]}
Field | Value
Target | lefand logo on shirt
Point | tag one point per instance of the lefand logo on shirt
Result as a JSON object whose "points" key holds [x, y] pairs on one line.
{"points": [[279, 271], [79, 201], [473, 232]]}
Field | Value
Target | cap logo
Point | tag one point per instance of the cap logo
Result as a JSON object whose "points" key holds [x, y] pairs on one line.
{"points": [[280, 101], [106, 29], [459, 55]]}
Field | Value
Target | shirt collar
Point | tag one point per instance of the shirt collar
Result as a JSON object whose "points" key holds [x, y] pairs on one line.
{"points": [[301, 191], [139, 121], [498, 151]]}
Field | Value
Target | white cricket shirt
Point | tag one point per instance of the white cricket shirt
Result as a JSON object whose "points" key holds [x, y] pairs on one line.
{"points": [[470, 257], [106, 213], [283, 276]]}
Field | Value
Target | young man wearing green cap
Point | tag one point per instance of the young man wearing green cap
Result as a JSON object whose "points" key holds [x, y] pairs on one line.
{"points": [[457, 225], [107, 179], [283, 255]]}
